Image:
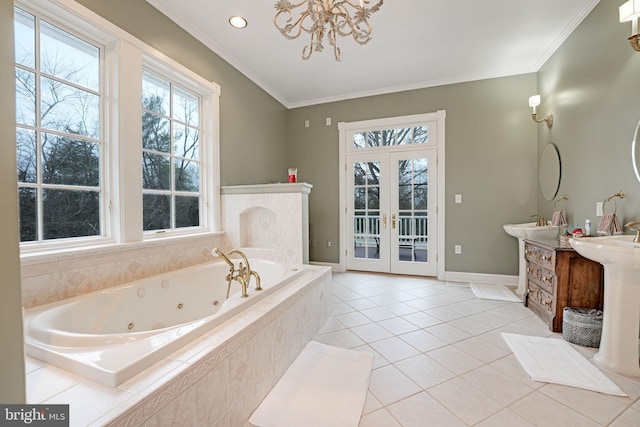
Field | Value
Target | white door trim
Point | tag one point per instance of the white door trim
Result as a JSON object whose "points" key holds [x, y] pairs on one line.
{"points": [[343, 127]]}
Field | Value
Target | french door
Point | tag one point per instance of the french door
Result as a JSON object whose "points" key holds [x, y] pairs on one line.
{"points": [[391, 210]]}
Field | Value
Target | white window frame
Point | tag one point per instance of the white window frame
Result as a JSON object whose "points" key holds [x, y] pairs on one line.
{"points": [[124, 58], [206, 142]]}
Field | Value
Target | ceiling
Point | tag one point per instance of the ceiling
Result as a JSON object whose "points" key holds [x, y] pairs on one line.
{"points": [[415, 44]]}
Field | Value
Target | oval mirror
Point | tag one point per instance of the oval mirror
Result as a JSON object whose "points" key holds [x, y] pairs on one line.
{"points": [[549, 171], [635, 151]]}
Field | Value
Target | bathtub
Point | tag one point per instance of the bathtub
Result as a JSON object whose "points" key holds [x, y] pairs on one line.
{"points": [[111, 335]]}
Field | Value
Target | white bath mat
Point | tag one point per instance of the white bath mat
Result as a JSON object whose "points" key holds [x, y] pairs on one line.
{"points": [[552, 360], [499, 292], [324, 387]]}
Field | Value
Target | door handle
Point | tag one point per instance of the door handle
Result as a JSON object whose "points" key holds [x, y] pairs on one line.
{"points": [[384, 221], [393, 221]]}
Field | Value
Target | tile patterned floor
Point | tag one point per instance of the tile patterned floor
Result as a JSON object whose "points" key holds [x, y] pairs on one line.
{"points": [[440, 359]]}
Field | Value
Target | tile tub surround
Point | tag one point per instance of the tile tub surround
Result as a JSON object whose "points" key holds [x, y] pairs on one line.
{"points": [[268, 221], [57, 276], [216, 381]]}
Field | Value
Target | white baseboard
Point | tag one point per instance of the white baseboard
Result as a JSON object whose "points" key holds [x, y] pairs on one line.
{"points": [[489, 279], [335, 267], [453, 276]]}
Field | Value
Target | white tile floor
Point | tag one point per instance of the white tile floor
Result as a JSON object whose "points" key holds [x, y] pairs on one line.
{"points": [[440, 359]]}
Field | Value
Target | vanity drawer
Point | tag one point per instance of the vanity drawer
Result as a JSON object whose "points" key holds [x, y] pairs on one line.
{"points": [[557, 277], [542, 298], [541, 276], [542, 256]]}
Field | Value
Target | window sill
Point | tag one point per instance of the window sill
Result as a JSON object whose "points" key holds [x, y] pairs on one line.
{"points": [[69, 253]]}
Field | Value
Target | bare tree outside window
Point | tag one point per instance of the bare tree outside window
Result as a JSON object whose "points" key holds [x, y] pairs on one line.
{"points": [[171, 164], [58, 133]]}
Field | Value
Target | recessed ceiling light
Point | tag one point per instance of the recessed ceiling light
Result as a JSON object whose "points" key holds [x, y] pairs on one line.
{"points": [[238, 21]]}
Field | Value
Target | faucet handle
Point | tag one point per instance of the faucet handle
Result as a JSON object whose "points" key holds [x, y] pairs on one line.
{"points": [[540, 221], [631, 225]]}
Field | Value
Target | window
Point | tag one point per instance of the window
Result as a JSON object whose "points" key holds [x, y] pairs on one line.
{"points": [[116, 142], [170, 155], [58, 131], [389, 137]]}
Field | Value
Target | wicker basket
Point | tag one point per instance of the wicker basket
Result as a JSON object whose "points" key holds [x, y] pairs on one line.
{"points": [[582, 326]]}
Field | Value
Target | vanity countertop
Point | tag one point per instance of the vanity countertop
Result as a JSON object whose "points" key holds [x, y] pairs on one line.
{"points": [[559, 244]]}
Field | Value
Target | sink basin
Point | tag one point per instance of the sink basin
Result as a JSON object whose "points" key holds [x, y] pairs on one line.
{"points": [[620, 250], [528, 230], [620, 256]]}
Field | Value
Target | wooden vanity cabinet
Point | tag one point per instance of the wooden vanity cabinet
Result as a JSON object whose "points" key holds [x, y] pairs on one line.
{"points": [[559, 277]]}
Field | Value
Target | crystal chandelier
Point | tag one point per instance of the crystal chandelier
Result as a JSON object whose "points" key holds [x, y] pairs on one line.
{"points": [[333, 17]]}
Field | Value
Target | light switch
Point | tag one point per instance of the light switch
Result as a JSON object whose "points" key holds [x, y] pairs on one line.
{"points": [[306, 123], [328, 121], [458, 198]]}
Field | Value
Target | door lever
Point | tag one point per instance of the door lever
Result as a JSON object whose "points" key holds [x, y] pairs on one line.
{"points": [[384, 221], [393, 221]]}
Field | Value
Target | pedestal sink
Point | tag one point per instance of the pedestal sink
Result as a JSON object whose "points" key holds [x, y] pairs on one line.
{"points": [[531, 231], [620, 257]]}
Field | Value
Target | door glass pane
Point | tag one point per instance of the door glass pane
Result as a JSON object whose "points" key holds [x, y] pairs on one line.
{"points": [[366, 205], [420, 135], [412, 215], [390, 137]]}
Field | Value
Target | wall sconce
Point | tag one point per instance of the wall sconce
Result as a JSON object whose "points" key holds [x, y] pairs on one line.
{"points": [[534, 101], [630, 11]]}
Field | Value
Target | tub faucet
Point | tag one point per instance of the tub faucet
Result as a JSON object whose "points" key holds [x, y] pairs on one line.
{"points": [[242, 274], [540, 221]]}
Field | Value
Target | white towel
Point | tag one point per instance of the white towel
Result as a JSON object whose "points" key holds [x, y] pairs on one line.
{"points": [[553, 360], [325, 386]]}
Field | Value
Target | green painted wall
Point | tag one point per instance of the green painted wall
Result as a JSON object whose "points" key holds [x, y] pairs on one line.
{"points": [[12, 384], [490, 160], [252, 123], [591, 84]]}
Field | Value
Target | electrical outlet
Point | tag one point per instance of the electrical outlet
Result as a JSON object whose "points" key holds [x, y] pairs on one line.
{"points": [[313, 243], [457, 249], [329, 244], [599, 211]]}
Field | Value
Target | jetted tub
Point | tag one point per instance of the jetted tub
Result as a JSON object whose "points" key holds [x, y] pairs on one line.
{"points": [[111, 335]]}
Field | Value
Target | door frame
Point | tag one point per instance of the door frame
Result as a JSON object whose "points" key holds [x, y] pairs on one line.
{"points": [[439, 116]]}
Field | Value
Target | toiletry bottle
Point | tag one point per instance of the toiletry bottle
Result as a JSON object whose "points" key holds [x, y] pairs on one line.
{"points": [[587, 227]]}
